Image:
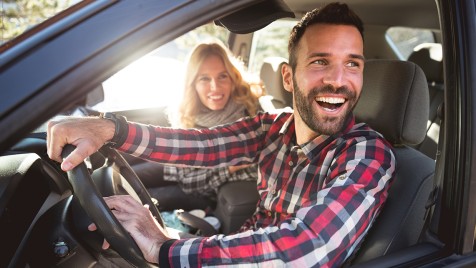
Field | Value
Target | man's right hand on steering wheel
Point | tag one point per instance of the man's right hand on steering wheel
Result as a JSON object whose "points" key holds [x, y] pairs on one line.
{"points": [[139, 222]]}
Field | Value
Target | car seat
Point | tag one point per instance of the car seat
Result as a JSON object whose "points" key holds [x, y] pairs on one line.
{"points": [[429, 57], [395, 102], [277, 97], [237, 202]]}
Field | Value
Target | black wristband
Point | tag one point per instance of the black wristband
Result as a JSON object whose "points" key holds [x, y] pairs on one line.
{"points": [[164, 253], [121, 129]]}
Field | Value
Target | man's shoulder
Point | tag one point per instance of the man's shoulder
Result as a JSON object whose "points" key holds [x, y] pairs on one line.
{"points": [[362, 131], [362, 126], [361, 136]]}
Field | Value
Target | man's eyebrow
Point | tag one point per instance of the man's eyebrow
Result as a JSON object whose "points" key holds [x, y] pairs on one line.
{"points": [[324, 54], [357, 56], [318, 54]]}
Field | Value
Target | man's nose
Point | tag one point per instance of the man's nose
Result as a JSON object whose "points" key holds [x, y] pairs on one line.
{"points": [[334, 76]]}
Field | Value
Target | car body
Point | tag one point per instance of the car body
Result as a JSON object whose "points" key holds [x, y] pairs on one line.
{"points": [[52, 68]]}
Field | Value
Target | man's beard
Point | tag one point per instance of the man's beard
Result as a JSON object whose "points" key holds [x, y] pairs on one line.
{"points": [[323, 124]]}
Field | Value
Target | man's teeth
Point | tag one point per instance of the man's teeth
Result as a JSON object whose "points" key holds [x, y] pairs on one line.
{"points": [[333, 100]]}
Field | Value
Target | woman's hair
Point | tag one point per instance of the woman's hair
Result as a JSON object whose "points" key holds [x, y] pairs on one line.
{"points": [[241, 93]]}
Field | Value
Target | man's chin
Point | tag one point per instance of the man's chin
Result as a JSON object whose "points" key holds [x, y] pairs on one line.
{"points": [[329, 130], [331, 126]]}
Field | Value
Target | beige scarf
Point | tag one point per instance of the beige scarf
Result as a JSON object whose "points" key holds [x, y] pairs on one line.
{"points": [[208, 118]]}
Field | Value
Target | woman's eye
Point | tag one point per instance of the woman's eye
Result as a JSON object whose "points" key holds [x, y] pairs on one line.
{"points": [[204, 79], [223, 76]]}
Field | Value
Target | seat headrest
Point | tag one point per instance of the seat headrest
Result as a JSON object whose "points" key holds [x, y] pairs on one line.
{"points": [[272, 78], [429, 57], [394, 101]]}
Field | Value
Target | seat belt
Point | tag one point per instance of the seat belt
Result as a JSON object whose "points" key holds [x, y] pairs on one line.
{"points": [[205, 228], [431, 206]]}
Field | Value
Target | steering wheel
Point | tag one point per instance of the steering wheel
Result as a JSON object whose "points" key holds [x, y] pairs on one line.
{"points": [[93, 204]]}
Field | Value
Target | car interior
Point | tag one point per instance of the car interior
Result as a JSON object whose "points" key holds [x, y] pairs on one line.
{"points": [[402, 98], [400, 223]]}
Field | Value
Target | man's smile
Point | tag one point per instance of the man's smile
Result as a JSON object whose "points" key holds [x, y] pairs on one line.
{"points": [[330, 104]]}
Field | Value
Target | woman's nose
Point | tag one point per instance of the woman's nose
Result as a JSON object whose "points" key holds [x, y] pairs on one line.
{"points": [[213, 84]]}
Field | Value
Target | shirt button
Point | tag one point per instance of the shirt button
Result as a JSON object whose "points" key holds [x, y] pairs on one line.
{"points": [[273, 192], [269, 213], [291, 163]]}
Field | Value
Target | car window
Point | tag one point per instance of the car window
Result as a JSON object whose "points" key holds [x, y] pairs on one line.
{"points": [[403, 40], [156, 79], [271, 41]]}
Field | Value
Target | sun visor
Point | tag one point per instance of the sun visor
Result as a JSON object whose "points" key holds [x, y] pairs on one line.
{"points": [[255, 17]]}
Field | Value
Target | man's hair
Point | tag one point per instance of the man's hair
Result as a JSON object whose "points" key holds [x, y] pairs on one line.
{"points": [[333, 13]]}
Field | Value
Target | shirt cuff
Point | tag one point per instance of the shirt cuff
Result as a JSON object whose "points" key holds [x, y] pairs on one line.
{"points": [[164, 253]]}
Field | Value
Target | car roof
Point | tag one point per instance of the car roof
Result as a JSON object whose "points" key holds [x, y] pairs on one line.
{"points": [[421, 13]]}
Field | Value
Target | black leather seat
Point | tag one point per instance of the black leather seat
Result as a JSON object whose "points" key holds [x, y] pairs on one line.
{"points": [[236, 202], [395, 102]]}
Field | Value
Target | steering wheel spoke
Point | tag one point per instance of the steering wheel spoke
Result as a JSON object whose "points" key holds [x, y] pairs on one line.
{"points": [[91, 200]]}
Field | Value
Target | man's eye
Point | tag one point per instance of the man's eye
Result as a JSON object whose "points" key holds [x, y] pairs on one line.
{"points": [[353, 64], [320, 62]]}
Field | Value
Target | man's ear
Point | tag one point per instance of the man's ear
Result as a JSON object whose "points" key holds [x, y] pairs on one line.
{"points": [[287, 74]]}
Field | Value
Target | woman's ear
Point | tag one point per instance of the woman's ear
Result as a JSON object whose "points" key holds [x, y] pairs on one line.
{"points": [[287, 74]]}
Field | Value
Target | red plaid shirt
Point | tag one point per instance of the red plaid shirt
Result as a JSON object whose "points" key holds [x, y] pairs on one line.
{"points": [[317, 200]]}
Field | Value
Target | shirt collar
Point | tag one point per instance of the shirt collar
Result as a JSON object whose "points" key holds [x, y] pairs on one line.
{"points": [[288, 130], [289, 121]]}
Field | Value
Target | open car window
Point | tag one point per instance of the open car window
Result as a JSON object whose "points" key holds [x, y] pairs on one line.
{"points": [[156, 79], [271, 41]]}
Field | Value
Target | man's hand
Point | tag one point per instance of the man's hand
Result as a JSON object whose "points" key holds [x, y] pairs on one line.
{"points": [[139, 222], [87, 134]]}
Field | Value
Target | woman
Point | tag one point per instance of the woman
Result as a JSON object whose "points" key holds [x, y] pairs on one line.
{"points": [[215, 93], [215, 90]]}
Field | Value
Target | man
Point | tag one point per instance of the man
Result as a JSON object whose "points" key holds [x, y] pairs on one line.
{"points": [[322, 178]]}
